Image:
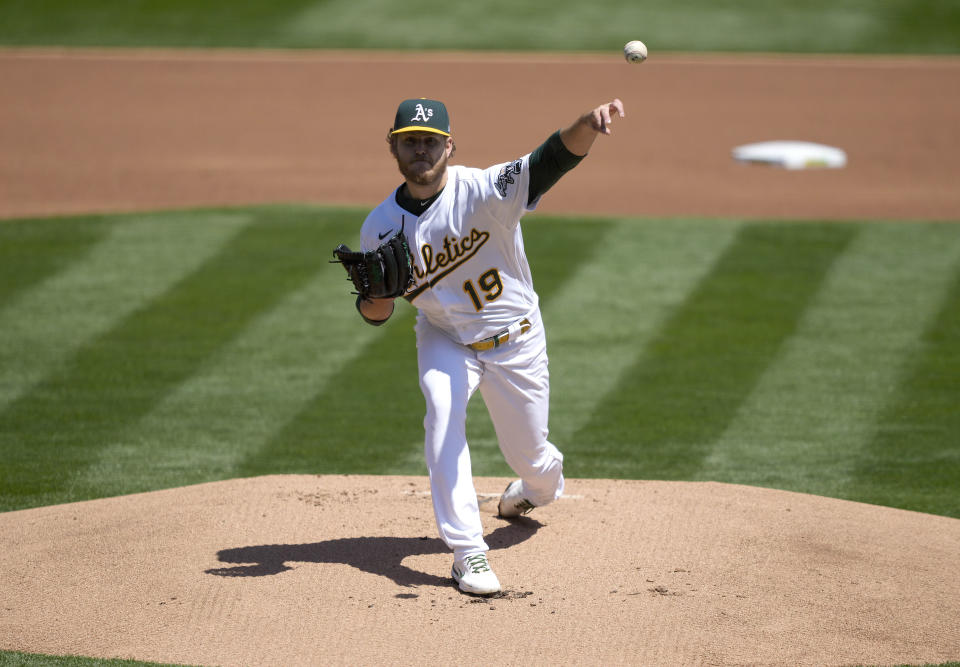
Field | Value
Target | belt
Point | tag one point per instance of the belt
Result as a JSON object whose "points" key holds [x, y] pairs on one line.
{"points": [[514, 330]]}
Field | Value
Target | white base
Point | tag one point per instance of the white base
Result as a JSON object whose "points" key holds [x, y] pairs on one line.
{"points": [[791, 155]]}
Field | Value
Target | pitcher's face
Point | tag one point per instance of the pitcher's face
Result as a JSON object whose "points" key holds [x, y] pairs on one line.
{"points": [[422, 156]]}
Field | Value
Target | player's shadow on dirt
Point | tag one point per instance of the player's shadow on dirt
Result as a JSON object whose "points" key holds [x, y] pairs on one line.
{"points": [[377, 555]]}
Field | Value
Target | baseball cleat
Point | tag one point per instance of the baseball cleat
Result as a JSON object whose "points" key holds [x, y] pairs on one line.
{"points": [[512, 503], [473, 575]]}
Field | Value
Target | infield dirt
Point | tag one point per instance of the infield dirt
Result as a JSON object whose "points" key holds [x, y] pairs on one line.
{"points": [[302, 570], [86, 131]]}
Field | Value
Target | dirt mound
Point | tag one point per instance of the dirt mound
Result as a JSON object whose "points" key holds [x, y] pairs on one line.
{"points": [[301, 570]]}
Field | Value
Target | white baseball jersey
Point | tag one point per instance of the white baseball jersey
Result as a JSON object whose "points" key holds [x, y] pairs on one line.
{"points": [[473, 279]]}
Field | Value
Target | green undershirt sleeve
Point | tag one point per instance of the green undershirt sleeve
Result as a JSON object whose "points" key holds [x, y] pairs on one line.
{"points": [[548, 162]]}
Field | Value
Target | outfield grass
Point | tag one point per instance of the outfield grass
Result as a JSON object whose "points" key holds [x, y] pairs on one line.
{"points": [[19, 659], [157, 350], [825, 26]]}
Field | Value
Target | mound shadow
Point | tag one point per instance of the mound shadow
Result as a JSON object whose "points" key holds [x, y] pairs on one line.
{"points": [[382, 556]]}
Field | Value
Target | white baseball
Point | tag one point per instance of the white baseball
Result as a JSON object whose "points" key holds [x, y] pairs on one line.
{"points": [[635, 51]]}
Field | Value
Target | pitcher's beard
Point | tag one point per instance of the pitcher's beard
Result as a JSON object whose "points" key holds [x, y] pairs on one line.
{"points": [[423, 177]]}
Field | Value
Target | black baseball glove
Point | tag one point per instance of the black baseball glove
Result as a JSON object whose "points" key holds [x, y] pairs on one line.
{"points": [[383, 273]]}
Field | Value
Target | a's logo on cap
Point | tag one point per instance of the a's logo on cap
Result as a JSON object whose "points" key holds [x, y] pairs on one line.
{"points": [[422, 114]]}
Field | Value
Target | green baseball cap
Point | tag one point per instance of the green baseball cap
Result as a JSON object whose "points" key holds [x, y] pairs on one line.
{"points": [[422, 115]]}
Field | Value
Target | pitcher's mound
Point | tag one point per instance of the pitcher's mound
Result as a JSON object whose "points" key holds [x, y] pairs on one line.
{"points": [[306, 570]]}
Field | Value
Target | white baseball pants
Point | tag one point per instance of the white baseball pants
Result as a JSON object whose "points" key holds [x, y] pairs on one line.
{"points": [[514, 382]]}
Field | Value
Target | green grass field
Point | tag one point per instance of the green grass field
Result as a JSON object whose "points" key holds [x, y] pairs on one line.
{"points": [[151, 351], [19, 659], [825, 26]]}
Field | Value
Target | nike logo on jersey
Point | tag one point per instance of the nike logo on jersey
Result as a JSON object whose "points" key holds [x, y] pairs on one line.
{"points": [[385, 234]]}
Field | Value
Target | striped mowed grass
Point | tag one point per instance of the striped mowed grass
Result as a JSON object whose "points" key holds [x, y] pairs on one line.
{"points": [[148, 351]]}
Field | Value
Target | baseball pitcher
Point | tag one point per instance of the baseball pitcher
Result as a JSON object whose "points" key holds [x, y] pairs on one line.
{"points": [[448, 240]]}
